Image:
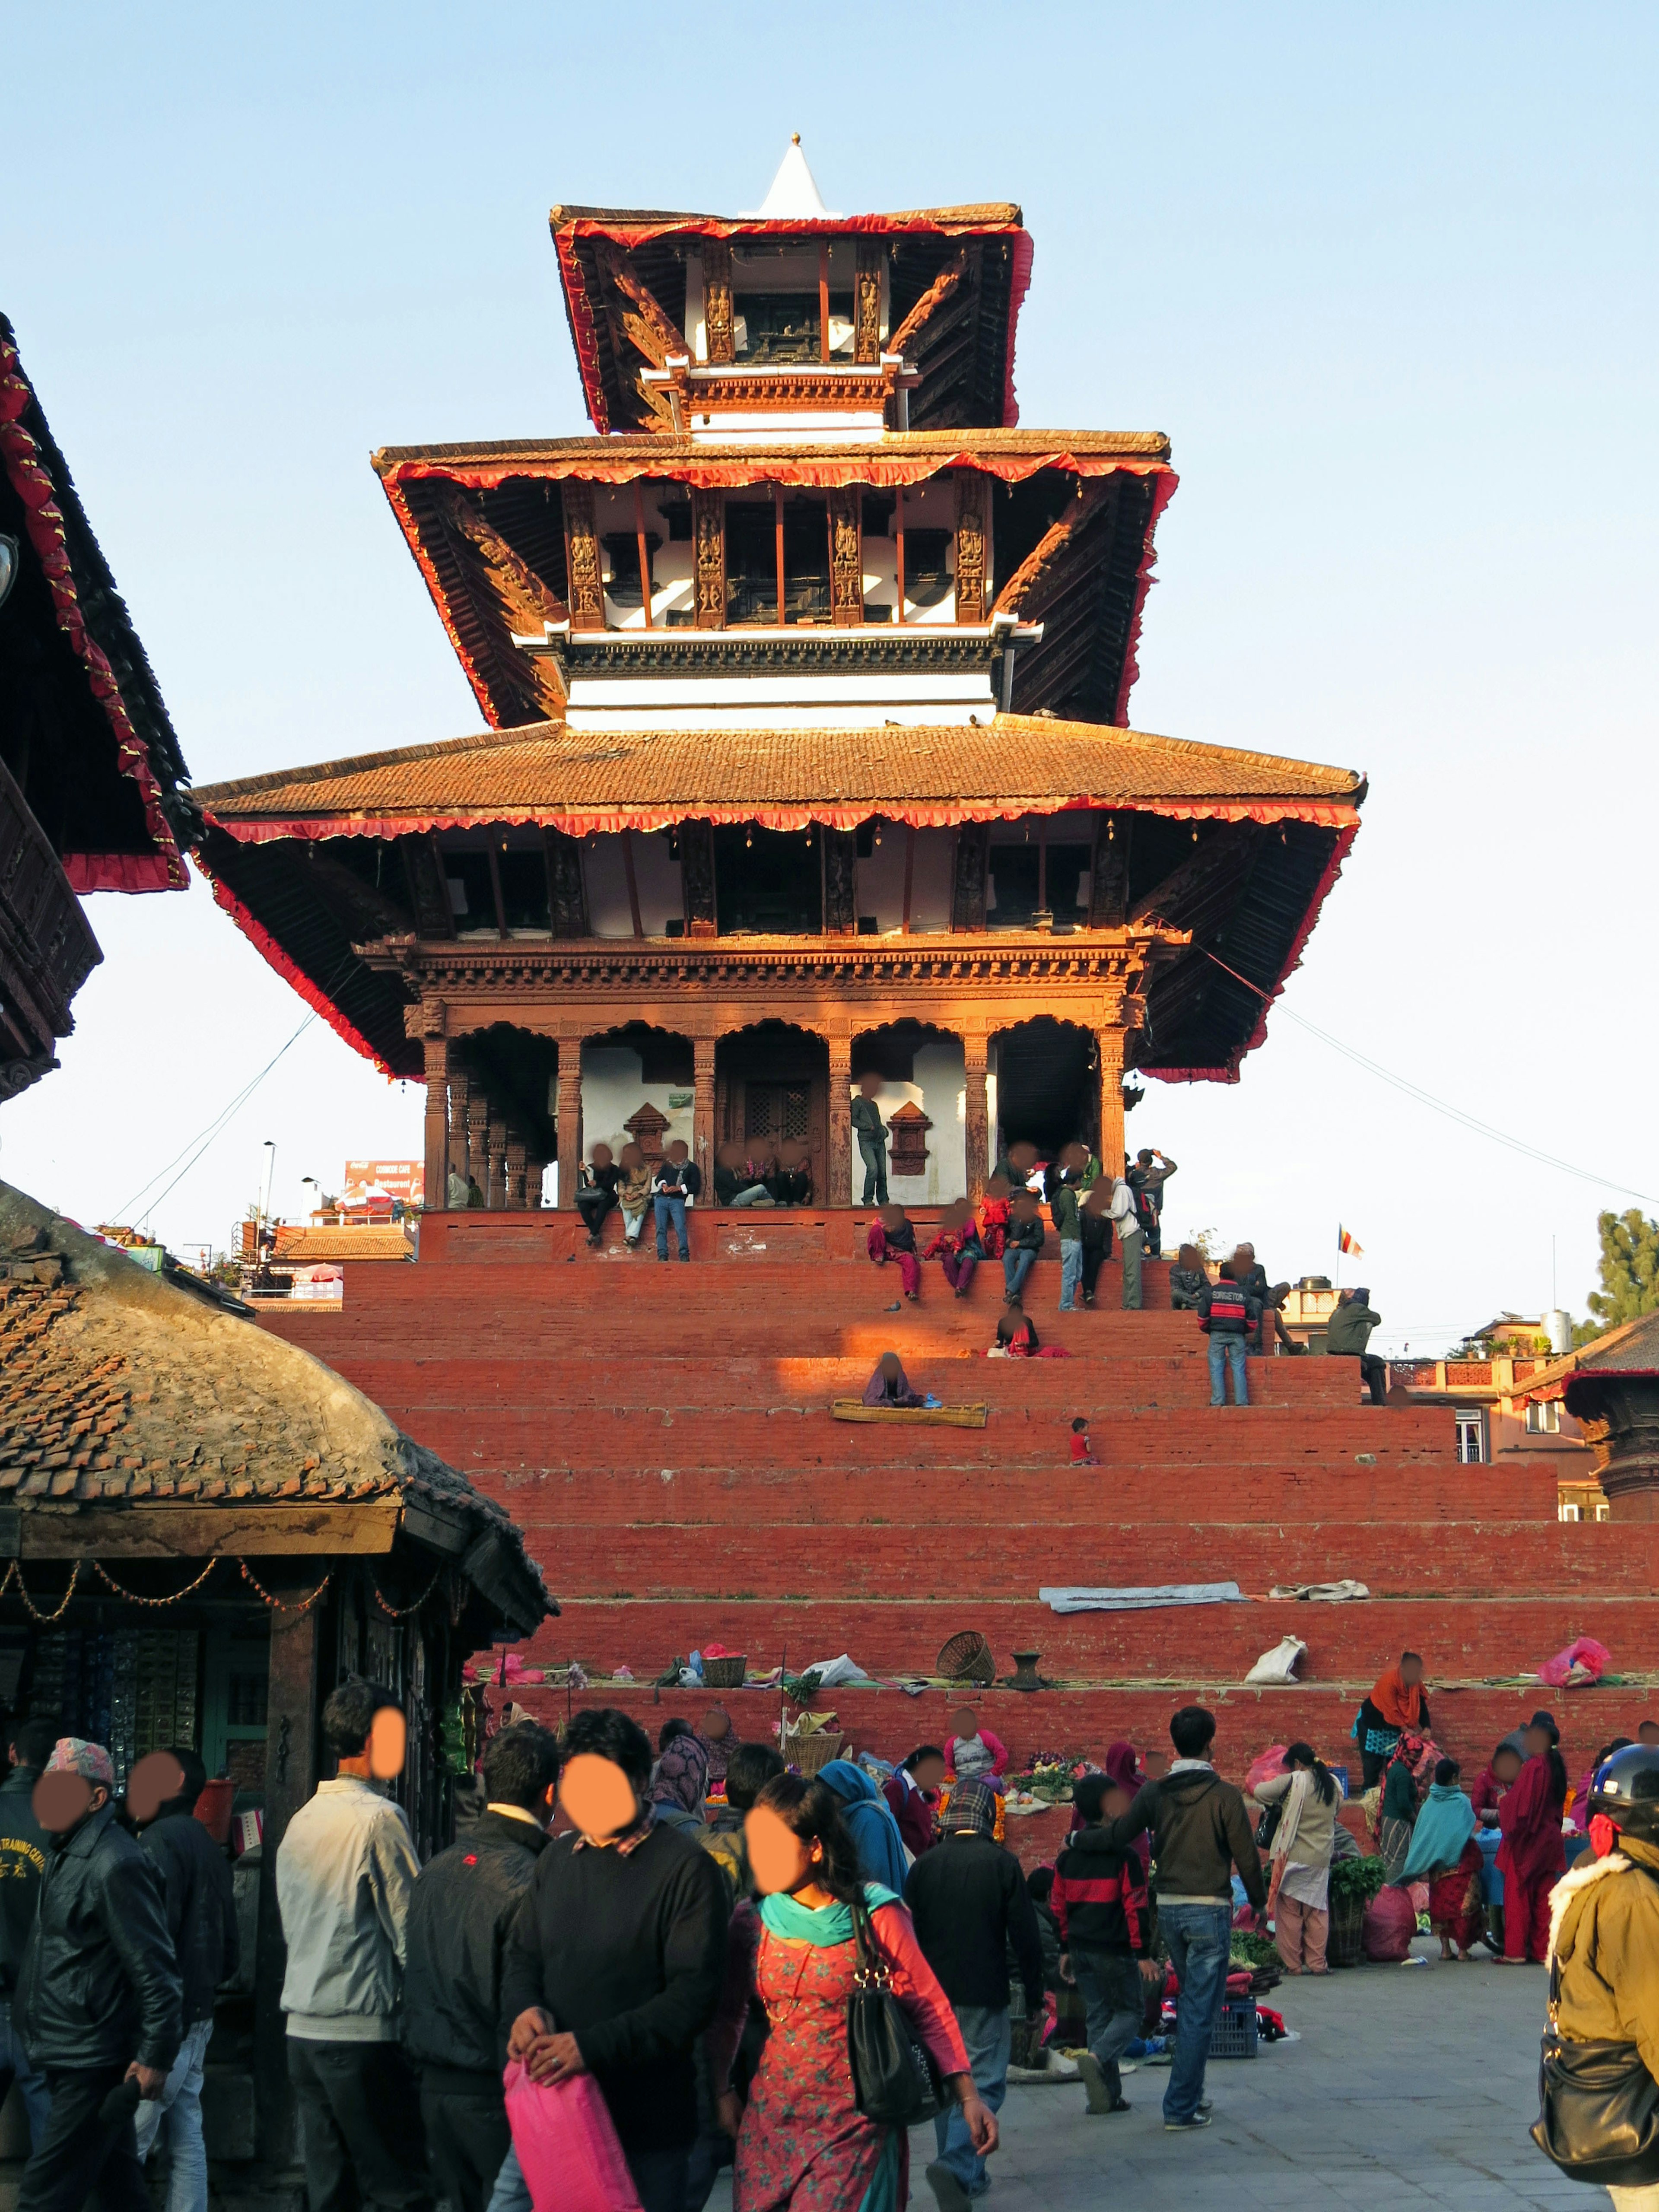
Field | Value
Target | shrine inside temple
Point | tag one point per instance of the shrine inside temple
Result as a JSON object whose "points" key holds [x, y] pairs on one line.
{"points": [[806, 680]]}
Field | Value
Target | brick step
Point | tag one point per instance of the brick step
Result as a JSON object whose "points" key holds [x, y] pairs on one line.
{"points": [[636, 1374], [1188, 1644], [799, 1490], [525, 1422], [1084, 1721], [983, 1554]]}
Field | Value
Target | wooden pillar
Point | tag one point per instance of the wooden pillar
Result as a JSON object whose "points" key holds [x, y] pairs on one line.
{"points": [[290, 1778], [459, 1093], [495, 1188], [533, 1186], [435, 1179], [569, 1120], [516, 1163], [703, 1112], [977, 1126], [477, 1138], [840, 1121], [1110, 1042]]}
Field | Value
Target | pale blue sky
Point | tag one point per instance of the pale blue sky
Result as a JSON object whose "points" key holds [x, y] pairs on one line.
{"points": [[1386, 277]]}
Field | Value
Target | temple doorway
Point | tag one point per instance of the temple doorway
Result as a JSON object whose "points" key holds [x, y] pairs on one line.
{"points": [[772, 1082], [1047, 1086]]}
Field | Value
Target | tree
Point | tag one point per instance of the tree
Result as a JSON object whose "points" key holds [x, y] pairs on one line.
{"points": [[1629, 1268]]}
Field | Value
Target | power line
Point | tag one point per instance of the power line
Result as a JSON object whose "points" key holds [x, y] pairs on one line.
{"points": [[1427, 1099], [199, 1143]]}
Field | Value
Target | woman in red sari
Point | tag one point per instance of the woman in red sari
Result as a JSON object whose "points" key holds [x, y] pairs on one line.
{"points": [[1532, 1856], [802, 2141]]}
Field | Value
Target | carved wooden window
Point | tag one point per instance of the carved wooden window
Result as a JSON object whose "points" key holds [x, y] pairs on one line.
{"points": [[773, 1112], [567, 891]]}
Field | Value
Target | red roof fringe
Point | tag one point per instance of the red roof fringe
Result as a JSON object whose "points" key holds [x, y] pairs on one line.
{"points": [[269, 948], [43, 520], [440, 599], [681, 464], [1293, 959], [608, 820]]}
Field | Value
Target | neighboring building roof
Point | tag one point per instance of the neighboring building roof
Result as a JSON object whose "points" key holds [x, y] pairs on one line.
{"points": [[1238, 847], [118, 1388], [300, 1246], [1626, 1353], [579, 781], [979, 386], [1090, 596], [105, 776]]}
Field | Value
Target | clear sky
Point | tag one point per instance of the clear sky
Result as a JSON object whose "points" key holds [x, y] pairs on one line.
{"points": [[1386, 276]]}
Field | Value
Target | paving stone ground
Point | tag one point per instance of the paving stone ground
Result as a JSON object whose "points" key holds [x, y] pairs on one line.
{"points": [[1409, 2086]]}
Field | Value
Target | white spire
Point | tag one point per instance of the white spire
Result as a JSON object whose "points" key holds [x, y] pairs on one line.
{"points": [[795, 196]]}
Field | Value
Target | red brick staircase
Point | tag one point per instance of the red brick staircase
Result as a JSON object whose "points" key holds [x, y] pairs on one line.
{"points": [[663, 1434]]}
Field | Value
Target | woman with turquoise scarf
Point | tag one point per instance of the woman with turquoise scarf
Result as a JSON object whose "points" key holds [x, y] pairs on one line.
{"points": [[802, 2141], [1445, 1855]]}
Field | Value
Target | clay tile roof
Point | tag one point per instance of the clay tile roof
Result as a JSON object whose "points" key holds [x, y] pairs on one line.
{"points": [[1631, 1349], [115, 1385], [548, 772], [306, 1246]]}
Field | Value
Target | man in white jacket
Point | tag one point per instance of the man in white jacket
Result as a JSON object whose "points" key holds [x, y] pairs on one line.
{"points": [[344, 1872]]}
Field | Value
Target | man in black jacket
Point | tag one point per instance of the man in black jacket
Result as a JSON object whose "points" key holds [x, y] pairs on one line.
{"points": [[616, 1953], [1200, 1833], [1098, 1899], [200, 1910], [99, 1997], [968, 1901], [24, 1845], [458, 1917]]}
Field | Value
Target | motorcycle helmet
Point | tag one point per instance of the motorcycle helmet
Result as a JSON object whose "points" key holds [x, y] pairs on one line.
{"points": [[1624, 1792]]}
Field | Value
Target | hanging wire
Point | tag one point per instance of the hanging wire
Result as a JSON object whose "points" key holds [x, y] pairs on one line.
{"points": [[199, 1143], [132, 1596], [15, 1574], [1426, 1098]]}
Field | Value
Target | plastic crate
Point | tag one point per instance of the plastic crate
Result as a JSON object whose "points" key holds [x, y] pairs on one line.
{"points": [[1234, 2035]]}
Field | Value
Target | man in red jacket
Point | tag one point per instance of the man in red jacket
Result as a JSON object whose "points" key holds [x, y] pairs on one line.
{"points": [[1099, 1901]]}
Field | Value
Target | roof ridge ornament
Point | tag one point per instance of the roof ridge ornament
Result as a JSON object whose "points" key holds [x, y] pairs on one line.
{"points": [[795, 196]]}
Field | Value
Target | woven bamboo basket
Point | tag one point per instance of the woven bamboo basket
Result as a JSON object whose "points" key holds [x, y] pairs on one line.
{"points": [[812, 1753], [725, 1674], [966, 1657]]}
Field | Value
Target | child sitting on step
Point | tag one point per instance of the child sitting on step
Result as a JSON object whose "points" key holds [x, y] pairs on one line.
{"points": [[633, 1194], [1081, 1455], [974, 1755], [892, 1236], [994, 1217], [956, 1247]]}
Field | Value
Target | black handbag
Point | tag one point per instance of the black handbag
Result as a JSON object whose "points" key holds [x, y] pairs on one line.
{"points": [[1598, 2116], [895, 2079], [1267, 1826]]}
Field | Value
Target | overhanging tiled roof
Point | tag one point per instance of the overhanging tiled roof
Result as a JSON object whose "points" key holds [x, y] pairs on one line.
{"points": [[118, 1388], [580, 780]]}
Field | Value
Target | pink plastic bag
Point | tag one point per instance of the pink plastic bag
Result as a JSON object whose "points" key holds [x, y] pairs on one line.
{"points": [[567, 2146], [1271, 1762], [1584, 1659], [1390, 1921]]}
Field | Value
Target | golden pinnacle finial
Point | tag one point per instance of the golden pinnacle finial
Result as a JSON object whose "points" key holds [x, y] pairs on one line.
{"points": [[795, 138]]}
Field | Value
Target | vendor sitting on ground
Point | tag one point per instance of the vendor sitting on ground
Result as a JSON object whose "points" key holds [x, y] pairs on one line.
{"points": [[890, 1385], [974, 1753], [893, 1236]]}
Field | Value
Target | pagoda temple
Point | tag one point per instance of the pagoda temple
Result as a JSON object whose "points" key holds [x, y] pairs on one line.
{"points": [[806, 682]]}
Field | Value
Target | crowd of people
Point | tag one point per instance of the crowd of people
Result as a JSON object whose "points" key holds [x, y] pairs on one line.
{"points": [[688, 1945]]}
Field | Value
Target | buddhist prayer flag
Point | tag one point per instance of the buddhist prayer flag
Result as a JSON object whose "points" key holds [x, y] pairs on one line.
{"points": [[1346, 1242]]}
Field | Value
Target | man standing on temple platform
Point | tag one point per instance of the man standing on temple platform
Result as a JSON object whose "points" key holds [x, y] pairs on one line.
{"points": [[24, 1845], [1125, 1218], [1347, 1334], [969, 1904], [871, 1132], [677, 1184], [458, 1918], [1146, 1178], [1252, 1278]]}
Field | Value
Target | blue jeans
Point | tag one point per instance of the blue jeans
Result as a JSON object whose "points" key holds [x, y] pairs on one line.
{"points": [[985, 2031], [658, 2177], [181, 2106], [1225, 1351], [1070, 1273], [873, 1150], [1016, 1267], [670, 1206], [1199, 1938], [15, 2064]]}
